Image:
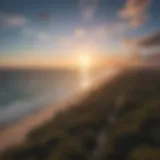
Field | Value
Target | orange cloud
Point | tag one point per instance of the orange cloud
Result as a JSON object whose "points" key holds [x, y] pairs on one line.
{"points": [[152, 40], [135, 12]]}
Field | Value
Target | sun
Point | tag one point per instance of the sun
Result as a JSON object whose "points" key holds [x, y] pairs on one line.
{"points": [[84, 61]]}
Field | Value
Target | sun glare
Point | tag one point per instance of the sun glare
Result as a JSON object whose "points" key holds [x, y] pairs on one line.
{"points": [[84, 61]]}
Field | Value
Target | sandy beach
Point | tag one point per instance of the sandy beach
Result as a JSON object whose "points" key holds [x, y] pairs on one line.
{"points": [[15, 133]]}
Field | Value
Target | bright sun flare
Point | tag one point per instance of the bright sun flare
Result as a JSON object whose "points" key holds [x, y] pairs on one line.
{"points": [[84, 61]]}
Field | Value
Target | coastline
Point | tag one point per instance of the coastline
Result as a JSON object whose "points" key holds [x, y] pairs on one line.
{"points": [[15, 133]]}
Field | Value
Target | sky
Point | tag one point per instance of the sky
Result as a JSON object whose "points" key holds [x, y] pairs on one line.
{"points": [[34, 32]]}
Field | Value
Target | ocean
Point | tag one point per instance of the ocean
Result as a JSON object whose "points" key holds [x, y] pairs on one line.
{"points": [[25, 91]]}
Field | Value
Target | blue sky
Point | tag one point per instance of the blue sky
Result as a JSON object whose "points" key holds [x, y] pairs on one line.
{"points": [[34, 30]]}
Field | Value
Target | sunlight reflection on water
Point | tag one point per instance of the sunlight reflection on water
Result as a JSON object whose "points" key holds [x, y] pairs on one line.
{"points": [[85, 79], [86, 83]]}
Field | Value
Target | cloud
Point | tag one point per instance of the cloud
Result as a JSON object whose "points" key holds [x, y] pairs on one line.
{"points": [[79, 32], [37, 36], [84, 39], [153, 40], [94, 39], [135, 12], [131, 16], [12, 20], [88, 8], [146, 45]]}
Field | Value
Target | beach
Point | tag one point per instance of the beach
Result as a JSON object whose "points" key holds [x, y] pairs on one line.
{"points": [[15, 133]]}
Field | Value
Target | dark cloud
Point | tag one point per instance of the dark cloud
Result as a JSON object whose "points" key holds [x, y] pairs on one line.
{"points": [[152, 40]]}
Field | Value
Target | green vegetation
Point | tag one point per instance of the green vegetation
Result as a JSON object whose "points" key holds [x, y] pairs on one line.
{"points": [[73, 134]]}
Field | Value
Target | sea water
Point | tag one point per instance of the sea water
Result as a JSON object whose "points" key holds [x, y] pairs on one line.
{"points": [[25, 91]]}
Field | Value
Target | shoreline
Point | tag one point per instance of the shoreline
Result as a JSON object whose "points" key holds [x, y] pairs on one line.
{"points": [[15, 133]]}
